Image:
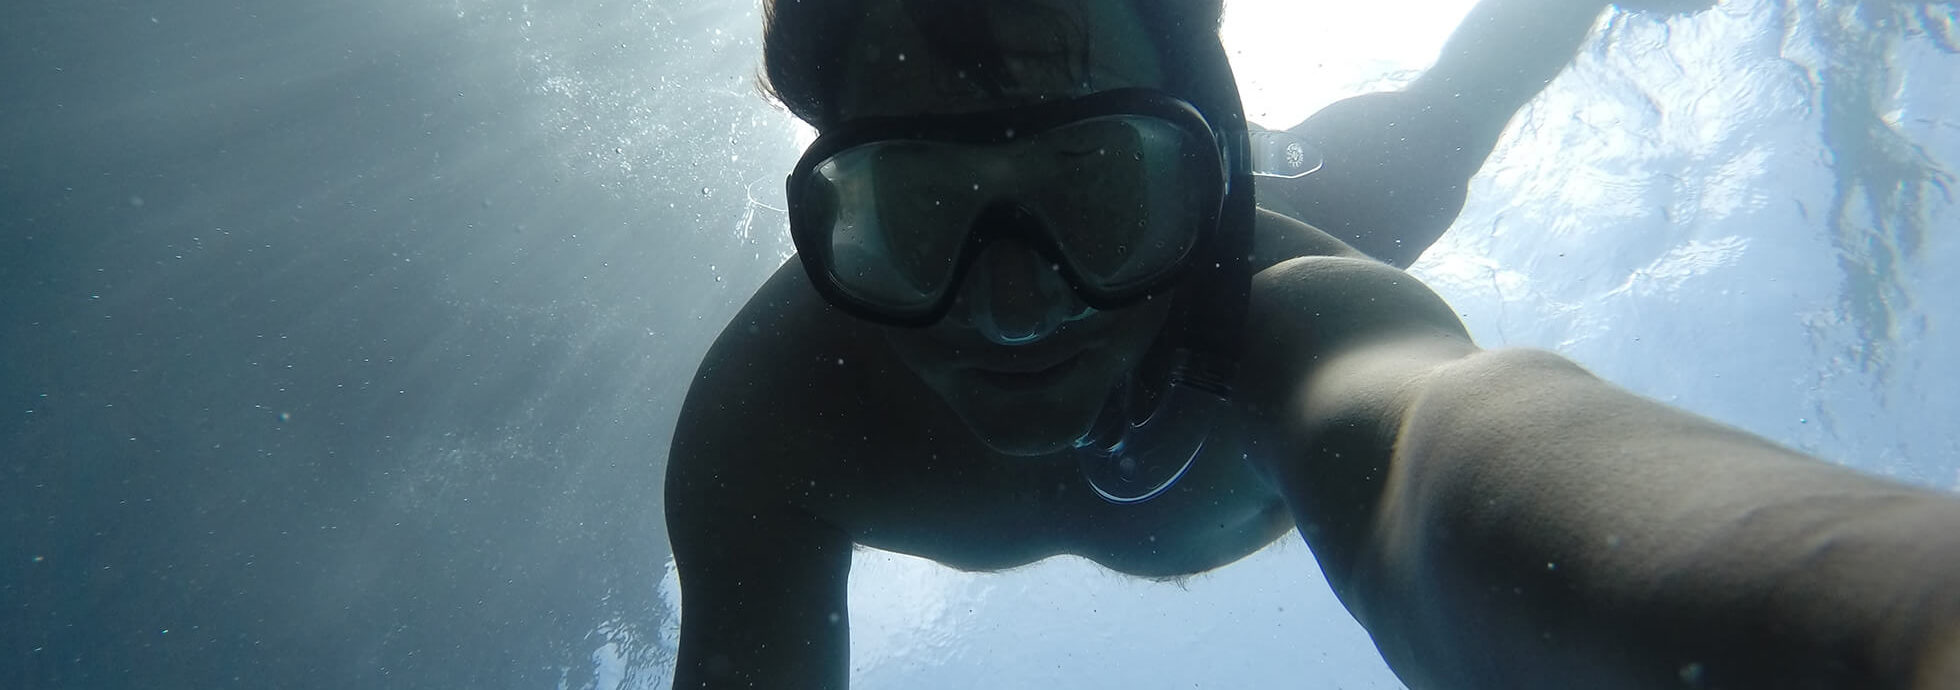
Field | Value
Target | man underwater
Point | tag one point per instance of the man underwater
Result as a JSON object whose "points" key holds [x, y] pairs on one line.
{"points": [[1035, 311]]}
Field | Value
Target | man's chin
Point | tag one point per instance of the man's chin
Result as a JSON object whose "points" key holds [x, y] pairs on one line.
{"points": [[1026, 448], [1024, 434], [1028, 420]]}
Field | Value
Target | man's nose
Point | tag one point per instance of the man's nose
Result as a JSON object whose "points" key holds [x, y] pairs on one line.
{"points": [[1014, 296]]}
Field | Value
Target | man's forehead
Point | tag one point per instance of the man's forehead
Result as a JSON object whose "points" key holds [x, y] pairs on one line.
{"points": [[1068, 27], [1047, 48]]}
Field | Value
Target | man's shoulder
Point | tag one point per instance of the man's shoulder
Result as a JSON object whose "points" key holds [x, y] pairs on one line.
{"points": [[1279, 234], [1329, 301], [791, 365], [1309, 312], [766, 396], [767, 365], [783, 329], [1304, 273]]}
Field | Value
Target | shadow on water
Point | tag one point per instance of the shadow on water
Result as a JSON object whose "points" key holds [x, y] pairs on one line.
{"points": [[1887, 187], [1879, 215]]}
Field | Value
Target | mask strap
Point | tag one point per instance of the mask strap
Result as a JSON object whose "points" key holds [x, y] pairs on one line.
{"points": [[1277, 153]]}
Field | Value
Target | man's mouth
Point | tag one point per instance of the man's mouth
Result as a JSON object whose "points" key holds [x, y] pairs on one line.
{"points": [[1015, 376]]}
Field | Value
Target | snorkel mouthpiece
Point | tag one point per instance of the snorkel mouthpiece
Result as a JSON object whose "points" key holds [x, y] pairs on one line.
{"points": [[1138, 449]]}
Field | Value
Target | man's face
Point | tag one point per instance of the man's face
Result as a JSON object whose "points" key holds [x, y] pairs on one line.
{"points": [[1017, 358]]}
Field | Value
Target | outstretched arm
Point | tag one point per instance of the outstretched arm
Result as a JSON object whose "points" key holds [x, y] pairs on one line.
{"points": [[1397, 164], [762, 582], [1500, 57], [1507, 520], [1614, 537]]}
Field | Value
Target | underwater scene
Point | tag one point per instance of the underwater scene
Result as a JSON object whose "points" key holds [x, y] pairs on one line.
{"points": [[342, 345]]}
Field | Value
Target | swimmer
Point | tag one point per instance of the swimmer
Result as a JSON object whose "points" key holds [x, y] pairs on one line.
{"points": [[1036, 311]]}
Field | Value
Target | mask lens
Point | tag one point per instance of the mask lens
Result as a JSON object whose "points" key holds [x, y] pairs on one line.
{"points": [[899, 221], [1126, 198], [1119, 189]]}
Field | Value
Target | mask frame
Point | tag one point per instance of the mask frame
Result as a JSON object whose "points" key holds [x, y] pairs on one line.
{"points": [[811, 204]]}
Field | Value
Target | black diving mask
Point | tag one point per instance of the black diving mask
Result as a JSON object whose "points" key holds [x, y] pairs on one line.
{"points": [[1118, 190]]}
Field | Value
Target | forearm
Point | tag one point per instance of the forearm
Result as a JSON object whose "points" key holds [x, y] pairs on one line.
{"points": [[1397, 164], [1539, 525], [1505, 52]]}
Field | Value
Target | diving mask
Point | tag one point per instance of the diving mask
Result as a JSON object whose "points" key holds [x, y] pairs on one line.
{"points": [[1117, 190]]}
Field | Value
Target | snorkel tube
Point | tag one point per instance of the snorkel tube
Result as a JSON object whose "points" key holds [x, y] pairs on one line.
{"points": [[1155, 424]]}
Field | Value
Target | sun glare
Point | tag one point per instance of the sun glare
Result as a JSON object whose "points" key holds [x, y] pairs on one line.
{"points": [[1293, 58]]}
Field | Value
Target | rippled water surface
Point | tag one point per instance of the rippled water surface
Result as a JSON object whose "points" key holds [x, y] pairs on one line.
{"points": [[343, 341]]}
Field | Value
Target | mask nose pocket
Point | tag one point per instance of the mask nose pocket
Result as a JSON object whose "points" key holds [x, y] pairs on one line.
{"points": [[1015, 294]]}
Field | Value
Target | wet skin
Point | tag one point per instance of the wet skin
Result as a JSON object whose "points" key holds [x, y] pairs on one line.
{"points": [[855, 437], [1433, 481]]}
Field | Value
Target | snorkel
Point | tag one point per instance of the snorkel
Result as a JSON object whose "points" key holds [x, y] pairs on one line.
{"points": [[1150, 432]]}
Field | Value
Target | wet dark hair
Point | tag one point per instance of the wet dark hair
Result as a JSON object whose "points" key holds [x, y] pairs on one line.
{"points": [[804, 43]]}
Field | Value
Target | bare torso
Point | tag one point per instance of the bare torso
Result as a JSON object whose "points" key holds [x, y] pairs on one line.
{"points": [[1424, 474], [857, 441]]}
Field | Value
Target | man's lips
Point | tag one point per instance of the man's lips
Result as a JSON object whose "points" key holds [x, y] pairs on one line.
{"points": [[1027, 365], [1027, 374]]}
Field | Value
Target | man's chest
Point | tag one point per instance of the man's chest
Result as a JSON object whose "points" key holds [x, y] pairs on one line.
{"points": [[927, 490]]}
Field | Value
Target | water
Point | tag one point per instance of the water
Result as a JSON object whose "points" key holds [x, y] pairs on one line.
{"points": [[342, 345]]}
